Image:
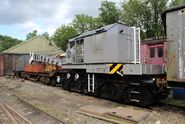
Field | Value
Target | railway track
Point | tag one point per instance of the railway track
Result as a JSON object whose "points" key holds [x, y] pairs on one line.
{"points": [[13, 116], [22, 112]]}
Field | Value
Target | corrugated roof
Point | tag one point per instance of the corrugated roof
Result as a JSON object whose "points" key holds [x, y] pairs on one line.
{"points": [[37, 44], [153, 41]]}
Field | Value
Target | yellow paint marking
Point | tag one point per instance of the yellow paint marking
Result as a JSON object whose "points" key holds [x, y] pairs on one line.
{"points": [[115, 68], [110, 65]]}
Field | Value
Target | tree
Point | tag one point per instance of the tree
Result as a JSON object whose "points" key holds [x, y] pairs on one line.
{"points": [[177, 2], [62, 34], [133, 13], [145, 14], [157, 7], [6, 42], [83, 23], [31, 34], [46, 35], [109, 13]]}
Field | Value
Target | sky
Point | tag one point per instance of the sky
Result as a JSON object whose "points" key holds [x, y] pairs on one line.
{"points": [[19, 17]]}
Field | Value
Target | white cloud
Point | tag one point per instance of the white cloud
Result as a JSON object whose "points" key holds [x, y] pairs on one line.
{"points": [[50, 30], [30, 25], [44, 15]]}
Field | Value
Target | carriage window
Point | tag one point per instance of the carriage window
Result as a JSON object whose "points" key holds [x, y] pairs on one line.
{"points": [[160, 52], [152, 52]]}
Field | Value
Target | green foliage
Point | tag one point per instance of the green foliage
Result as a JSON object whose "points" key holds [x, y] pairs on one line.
{"points": [[157, 7], [177, 2], [46, 35], [133, 13], [145, 14], [62, 34], [83, 23], [35, 33], [31, 34], [6, 42], [109, 13]]}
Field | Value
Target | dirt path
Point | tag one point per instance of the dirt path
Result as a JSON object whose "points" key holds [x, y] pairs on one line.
{"points": [[64, 104]]}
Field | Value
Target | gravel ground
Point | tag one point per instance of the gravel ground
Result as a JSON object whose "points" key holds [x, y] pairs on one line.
{"points": [[64, 104]]}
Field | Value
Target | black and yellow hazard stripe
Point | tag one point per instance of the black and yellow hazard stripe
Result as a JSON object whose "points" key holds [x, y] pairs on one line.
{"points": [[115, 67]]}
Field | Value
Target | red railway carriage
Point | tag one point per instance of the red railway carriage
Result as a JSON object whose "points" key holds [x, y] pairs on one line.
{"points": [[154, 51]]}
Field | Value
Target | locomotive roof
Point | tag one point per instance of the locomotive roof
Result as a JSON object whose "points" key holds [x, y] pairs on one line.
{"points": [[153, 41], [96, 31]]}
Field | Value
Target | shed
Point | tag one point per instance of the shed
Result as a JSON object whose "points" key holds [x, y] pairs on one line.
{"points": [[37, 44]]}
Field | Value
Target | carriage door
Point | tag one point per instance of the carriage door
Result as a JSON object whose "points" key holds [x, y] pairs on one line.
{"points": [[151, 55], [160, 54], [155, 54]]}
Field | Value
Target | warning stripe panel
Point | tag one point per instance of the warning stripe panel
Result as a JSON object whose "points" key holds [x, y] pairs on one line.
{"points": [[114, 68]]}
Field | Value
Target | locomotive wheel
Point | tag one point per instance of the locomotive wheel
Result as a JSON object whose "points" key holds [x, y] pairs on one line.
{"points": [[76, 86], [72, 85], [66, 85], [83, 86], [109, 91]]}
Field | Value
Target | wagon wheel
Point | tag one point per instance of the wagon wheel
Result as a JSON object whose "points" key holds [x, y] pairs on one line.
{"points": [[53, 82]]}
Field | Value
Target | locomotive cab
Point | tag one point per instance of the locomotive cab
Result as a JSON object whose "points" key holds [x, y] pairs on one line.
{"points": [[79, 50], [75, 51]]}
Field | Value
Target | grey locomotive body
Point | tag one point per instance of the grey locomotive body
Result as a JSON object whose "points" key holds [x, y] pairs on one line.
{"points": [[106, 62]]}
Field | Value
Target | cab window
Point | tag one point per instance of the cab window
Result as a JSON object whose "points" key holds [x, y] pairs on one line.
{"points": [[72, 44]]}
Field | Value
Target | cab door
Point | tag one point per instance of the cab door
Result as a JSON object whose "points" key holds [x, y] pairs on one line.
{"points": [[156, 54]]}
